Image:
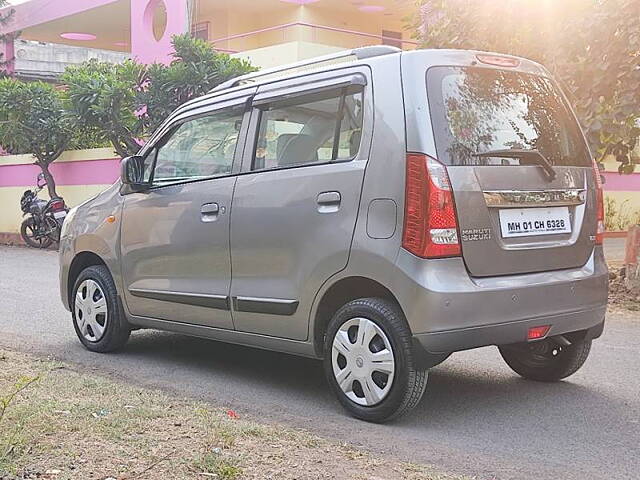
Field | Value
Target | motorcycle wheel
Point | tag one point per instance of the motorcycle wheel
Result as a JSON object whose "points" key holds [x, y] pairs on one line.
{"points": [[32, 236]]}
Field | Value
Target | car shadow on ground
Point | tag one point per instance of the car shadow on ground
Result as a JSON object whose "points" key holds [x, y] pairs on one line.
{"points": [[456, 391]]}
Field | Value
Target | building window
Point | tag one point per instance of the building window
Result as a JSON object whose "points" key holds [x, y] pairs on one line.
{"points": [[201, 31]]}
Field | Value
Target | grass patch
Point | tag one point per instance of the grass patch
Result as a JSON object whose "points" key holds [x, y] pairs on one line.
{"points": [[213, 463], [57, 423]]}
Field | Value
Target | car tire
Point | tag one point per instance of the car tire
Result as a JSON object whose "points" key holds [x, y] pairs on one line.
{"points": [[369, 360], [546, 360], [98, 318]]}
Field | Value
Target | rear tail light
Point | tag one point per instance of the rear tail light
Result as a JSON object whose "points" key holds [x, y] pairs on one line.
{"points": [[430, 222], [57, 205], [535, 333], [599, 205]]}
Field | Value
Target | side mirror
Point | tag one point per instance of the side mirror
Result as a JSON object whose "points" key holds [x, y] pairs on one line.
{"points": [[132, 172]]}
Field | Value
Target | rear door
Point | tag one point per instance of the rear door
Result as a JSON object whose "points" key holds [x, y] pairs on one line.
{"points": [[296, 204], [513, 217]]}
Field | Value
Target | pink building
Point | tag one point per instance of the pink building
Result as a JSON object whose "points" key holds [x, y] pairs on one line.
{"points": [[266, 31]]}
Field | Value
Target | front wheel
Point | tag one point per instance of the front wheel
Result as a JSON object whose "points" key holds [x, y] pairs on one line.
{"points": [[369, 362], [32, 235], [98, 318], [546, 360]]}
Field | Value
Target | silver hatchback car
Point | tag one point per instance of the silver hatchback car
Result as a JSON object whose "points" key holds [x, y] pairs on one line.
{"points": [[376, 209]]}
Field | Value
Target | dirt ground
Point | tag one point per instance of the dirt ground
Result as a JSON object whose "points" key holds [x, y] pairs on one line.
{"points": [[59, 423], [621, 299]]}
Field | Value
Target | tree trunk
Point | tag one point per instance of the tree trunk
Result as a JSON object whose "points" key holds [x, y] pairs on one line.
{"points": [[118, 147], [51, 183]]}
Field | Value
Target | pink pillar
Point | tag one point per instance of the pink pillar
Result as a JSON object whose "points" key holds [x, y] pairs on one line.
{"points": [[144, 46], [7, 49]]}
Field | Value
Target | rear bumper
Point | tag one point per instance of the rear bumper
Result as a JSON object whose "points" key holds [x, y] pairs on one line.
{"points": [[590, 321], [450, 311]]}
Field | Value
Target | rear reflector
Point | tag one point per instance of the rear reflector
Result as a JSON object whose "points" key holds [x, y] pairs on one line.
{"points": [[600, 228], [535, 333], [430, 222], [498, 60]]}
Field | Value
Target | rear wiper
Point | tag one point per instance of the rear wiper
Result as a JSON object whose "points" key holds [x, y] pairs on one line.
{"points": [[531, 155]]}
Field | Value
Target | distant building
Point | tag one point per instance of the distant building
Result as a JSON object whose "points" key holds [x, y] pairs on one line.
{"points": [[46, 61], [268, 32]]}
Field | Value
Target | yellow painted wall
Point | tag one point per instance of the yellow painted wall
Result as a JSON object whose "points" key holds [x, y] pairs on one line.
{"points": [[285, 53], [230, 20], [68, 156], [10, 213]]}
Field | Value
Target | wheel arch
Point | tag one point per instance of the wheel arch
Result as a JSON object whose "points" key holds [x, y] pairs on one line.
{"points": [[340, 292], [81, 261]]}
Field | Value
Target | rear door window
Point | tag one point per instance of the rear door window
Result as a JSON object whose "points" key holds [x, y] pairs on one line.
{"points": [[318, 127], [476, 110]]}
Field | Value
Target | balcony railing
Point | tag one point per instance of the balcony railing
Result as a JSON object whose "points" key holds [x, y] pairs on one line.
{"points": [[308, 32]]}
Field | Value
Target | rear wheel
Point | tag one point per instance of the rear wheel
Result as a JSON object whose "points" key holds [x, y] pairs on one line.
{"points": [[369, 361], [546, 360], [97, 316], [32, 235]]}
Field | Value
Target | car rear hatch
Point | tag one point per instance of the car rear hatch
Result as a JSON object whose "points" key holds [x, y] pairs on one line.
{"points": [[521, 174]]}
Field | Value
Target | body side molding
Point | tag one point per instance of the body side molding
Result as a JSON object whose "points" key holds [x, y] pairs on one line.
{"points": [[272, 306], [220, 302]]}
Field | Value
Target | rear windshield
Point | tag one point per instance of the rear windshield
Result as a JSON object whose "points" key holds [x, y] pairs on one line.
{"points": [[476, 110]]}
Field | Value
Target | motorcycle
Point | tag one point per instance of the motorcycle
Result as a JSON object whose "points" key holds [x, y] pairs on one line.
{"points": [[43, 226]]}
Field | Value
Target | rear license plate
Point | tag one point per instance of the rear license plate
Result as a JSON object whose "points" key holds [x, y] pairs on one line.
{"points": [[522, 222], [60, 214]]}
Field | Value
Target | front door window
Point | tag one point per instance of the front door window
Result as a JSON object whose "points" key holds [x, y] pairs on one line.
{"points": [[199, 148]]}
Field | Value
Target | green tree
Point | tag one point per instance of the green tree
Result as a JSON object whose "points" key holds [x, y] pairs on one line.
{"points": [[101, 96], [591, 46], [196, 69], [33, 119], [126, 102]]}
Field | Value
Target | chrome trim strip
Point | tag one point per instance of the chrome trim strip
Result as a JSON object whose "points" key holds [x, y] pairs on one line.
{"points": [[220, 302], [272, 306], [534, 198]]}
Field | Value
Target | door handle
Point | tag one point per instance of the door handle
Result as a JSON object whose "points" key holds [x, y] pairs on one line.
{"points": [[329, 202], [209, 212]]}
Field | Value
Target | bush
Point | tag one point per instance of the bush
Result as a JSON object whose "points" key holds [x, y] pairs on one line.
{"points": [[618, 218]]}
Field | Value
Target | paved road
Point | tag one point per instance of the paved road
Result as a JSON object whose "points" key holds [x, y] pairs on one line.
{"points": [[476, 418], [614, 248]]}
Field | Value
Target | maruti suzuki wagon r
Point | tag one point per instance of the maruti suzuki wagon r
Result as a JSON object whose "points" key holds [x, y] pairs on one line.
{"points": [[374, 208]]}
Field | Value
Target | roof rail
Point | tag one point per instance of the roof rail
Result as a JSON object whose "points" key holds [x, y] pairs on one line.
{"points": [[360, 53]]}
